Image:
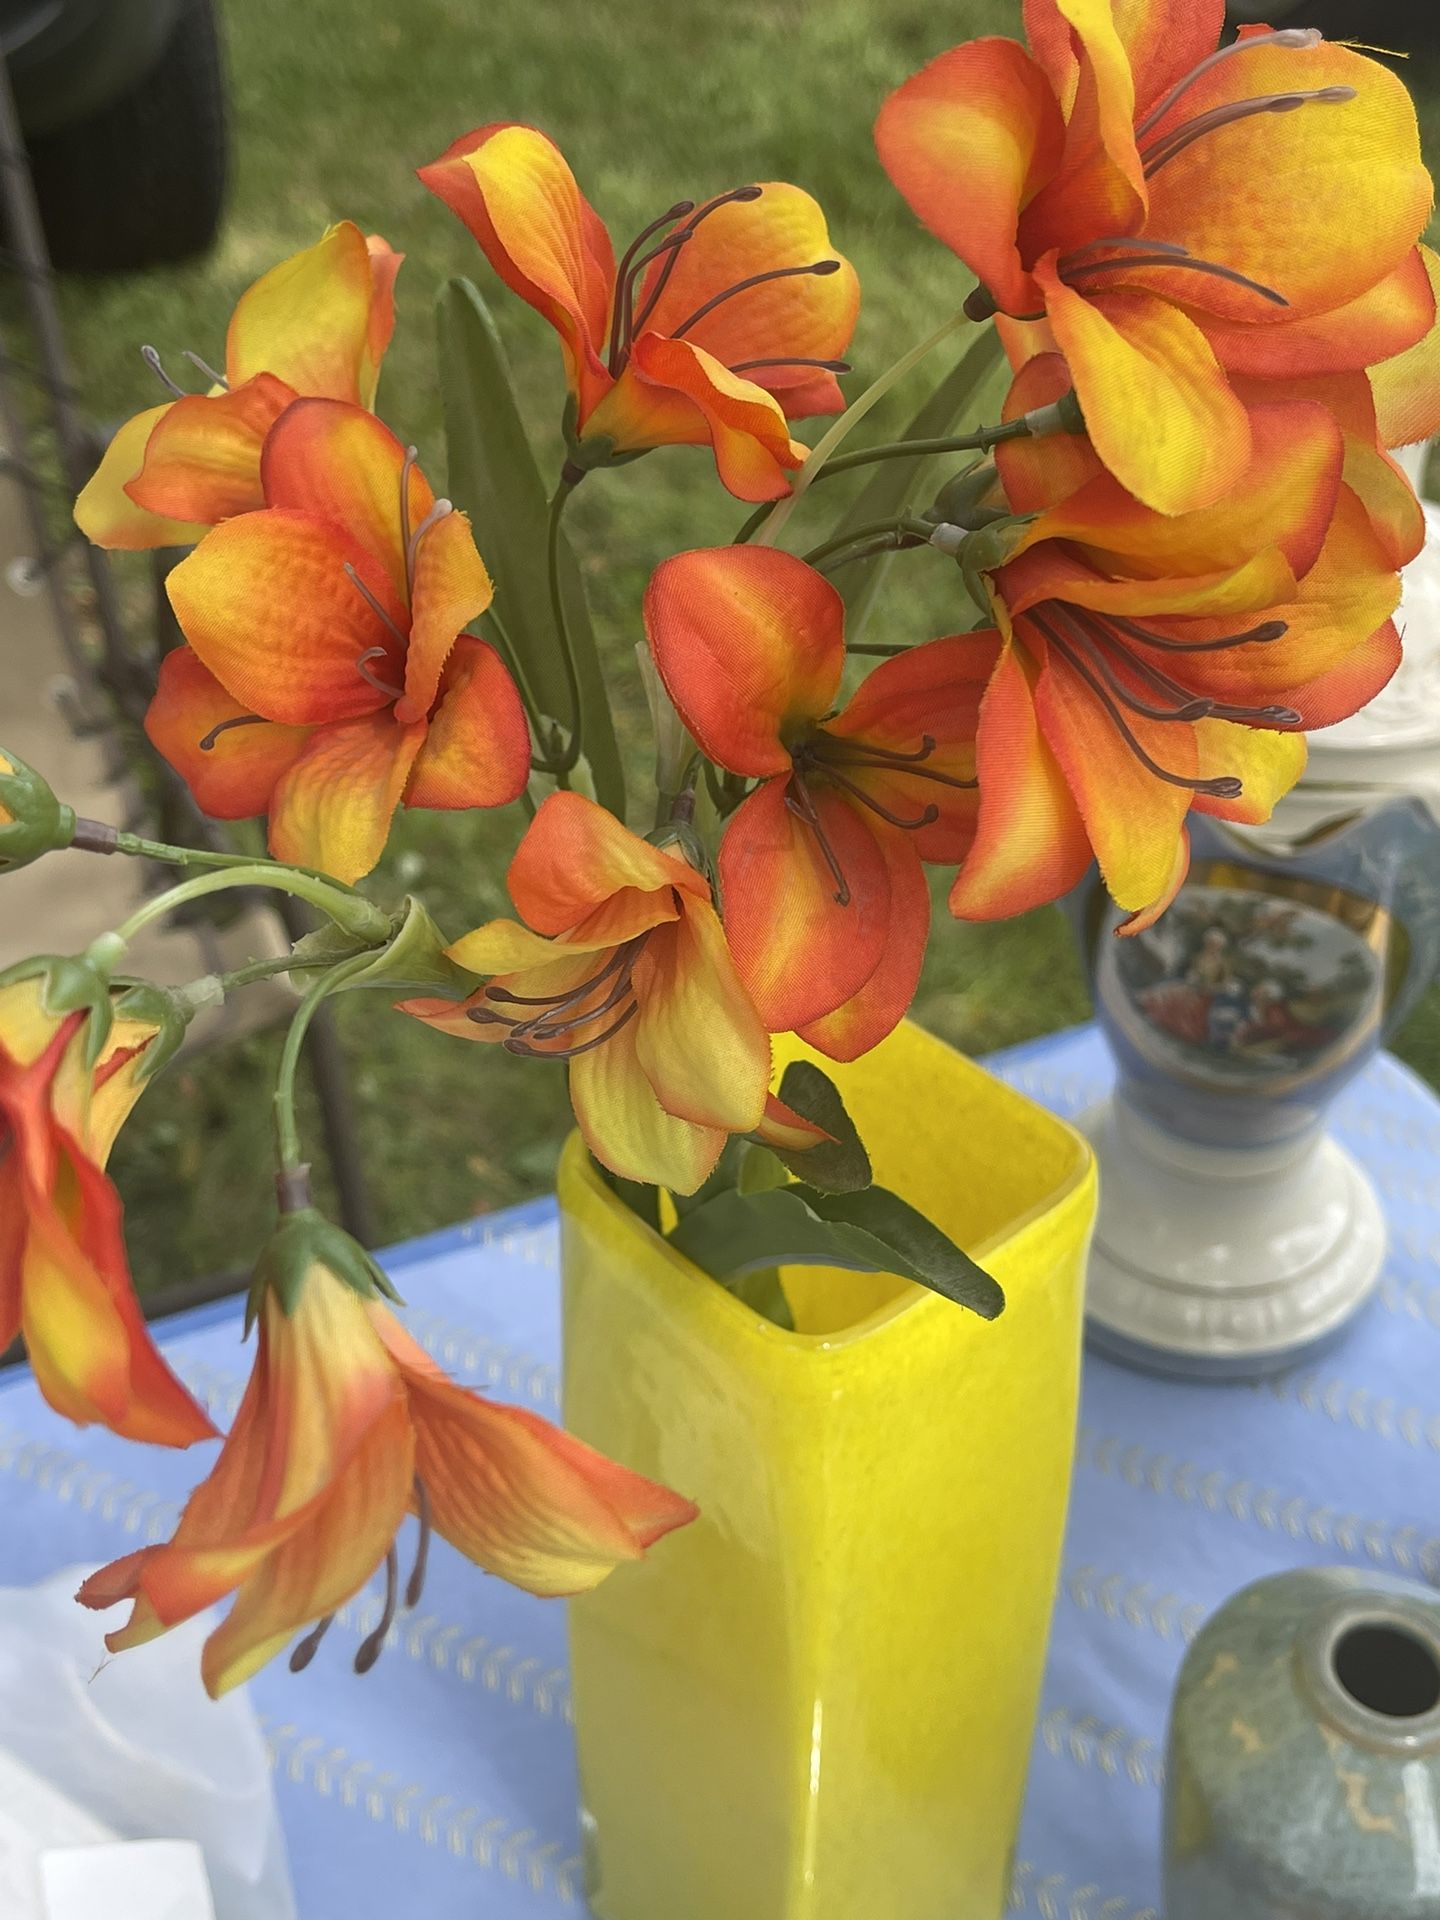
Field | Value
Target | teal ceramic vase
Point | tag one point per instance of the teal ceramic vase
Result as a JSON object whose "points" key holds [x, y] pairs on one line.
{"points": [[1303, 1780]]}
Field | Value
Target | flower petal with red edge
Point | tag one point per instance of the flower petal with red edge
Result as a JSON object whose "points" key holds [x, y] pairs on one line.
{"points": [[1284, 500], [477, 752], [1266, 763], [1161, 43], [266, 604], [1407, 385], [321, 1565], [385, 266], [1030, 843], [1099, 188], [308, 320], [969, 141], [750, 643], [104, 511], [514, 190], [698, 1036], [451, 589], [1144, 917], [202, 461], [519, 1496], [1384, 321], [863, 1021], [1157, 406], [625, 1126], [1041, 470], [782, 1126], [342, 465], [1132, 815], [808, 315], [1361, 154], [799, 951], [575, 855], [928, 693], [232, 778], [333, 809]]}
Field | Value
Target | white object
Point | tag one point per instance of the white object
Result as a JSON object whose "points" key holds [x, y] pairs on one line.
{"points": [[1219, 1262], [34, 1816], [136, 1741], [129, 1880]]}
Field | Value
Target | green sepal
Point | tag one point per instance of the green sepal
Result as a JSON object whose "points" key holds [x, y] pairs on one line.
{"points": [[71, 983], [986, 549], [895, 485], [302, 1241], [414, 960], [493, 477], [163, 1008], [762, 1292], [839, 1164], [760, 1170], [871, 1232], [32, 821]]}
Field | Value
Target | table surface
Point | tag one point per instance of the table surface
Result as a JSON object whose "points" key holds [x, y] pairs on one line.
{"points": [[443, 1782]]}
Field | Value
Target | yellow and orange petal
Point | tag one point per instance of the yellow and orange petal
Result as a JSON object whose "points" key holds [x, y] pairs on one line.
{"points": [[105, 512], [750, 643], [477, 750], [514, 190], [318, 320], [575, 856], [202, 460], [232, 773], [333, 807]]}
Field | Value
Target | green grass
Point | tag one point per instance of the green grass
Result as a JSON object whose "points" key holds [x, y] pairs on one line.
{"points": [[335, 102]]}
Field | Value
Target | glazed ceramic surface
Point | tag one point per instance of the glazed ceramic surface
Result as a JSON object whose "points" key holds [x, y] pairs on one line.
{"points": [[1303, 1780], [817, 1703], [1234, 1237]]}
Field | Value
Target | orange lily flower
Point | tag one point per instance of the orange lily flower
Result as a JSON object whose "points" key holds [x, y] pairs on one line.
{"points": [[328, 679], [316, 325], [621, 969], [721, 321], [65, 1282], [826, 906], [1144, 664], [346, 1426], [1171, 211]]}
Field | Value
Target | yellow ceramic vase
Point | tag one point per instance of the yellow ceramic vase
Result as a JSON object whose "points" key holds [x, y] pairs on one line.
{"points": [[817, 1703]]}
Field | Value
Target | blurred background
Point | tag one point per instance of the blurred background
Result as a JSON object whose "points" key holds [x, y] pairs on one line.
{"points": [[223, 137]]}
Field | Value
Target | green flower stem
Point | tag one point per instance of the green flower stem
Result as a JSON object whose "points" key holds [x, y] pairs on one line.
{"points": [[264, 970], [830, 442], [562, 767], [511, 655], [95, 836], [352, 912], [977, 442], [753, 524], [885, 531], [287, 1132]]}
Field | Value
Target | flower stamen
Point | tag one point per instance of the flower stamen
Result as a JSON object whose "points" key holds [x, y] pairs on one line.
{"points": [[1267, 631], [1299, 37], [362, 667], [1189, 131], [441, 510], [415, 1585], [629, 322], [203, 366], [818, 267], [1171, 257], [825, 366], [207, 745], [407, 467], [151, 357], [562, 1013], [800, 802], [306, 1649], [373, 1645]]}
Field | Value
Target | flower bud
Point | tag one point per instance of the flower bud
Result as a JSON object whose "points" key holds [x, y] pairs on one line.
{"points": [[32, 820], [304, 1243]]}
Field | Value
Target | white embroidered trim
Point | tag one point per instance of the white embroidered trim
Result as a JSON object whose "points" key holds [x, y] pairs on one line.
{"points": [[1135, 1603], [1054, 1898], [334, 1772], [1090, 1743], [1269, 1507]]}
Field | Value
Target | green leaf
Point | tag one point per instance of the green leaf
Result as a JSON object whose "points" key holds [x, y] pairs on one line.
{"points": [[763, 1292], [871, 1232], [760, 1169], [895, 485], [493, 477], [642, 1200], [837, 1165]]}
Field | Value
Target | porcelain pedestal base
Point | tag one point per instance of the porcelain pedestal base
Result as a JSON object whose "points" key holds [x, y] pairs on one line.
{"points": [[1224, 1263]]}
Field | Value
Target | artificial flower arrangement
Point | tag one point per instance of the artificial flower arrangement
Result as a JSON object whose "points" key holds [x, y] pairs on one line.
{"points": [[1176, 551]]}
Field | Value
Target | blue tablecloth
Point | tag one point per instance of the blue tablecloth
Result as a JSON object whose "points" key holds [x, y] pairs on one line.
{"points": [[443, 1783]]}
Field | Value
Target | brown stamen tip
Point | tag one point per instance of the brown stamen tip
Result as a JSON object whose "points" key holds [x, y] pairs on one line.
{"points": [[307, 1648], [1225, 787], [373, 1645], [979, 304]]}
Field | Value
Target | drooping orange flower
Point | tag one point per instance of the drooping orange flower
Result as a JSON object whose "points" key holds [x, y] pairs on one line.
{"points": [[316, 325], [621, 969], [1144, 664], [346, 1426], [826, 906], [1173, 212], [721, 321], [327, 678], [65, 1282]]}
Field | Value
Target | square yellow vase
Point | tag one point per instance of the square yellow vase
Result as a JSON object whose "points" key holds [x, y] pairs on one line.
{"points": [[817, 1702]]}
